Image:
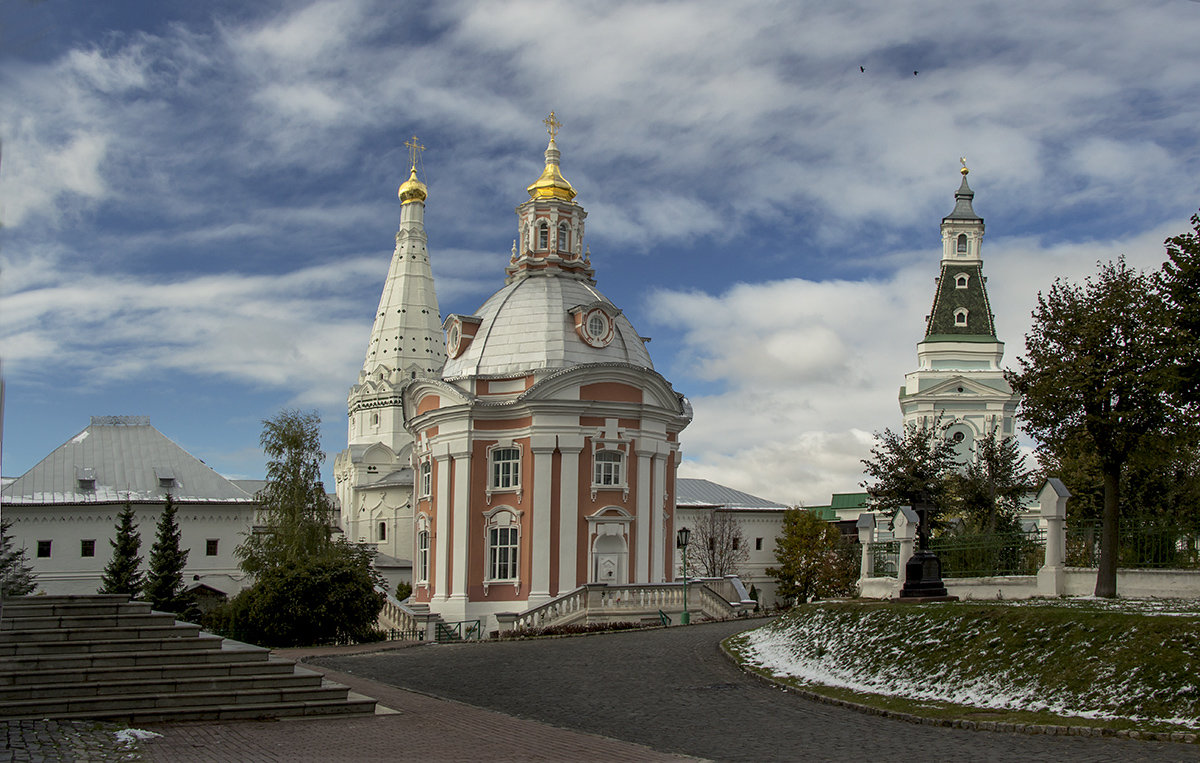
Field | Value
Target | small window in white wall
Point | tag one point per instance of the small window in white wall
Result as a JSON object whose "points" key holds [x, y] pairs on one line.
{"points": [[562, 237], [506, 468], [961, 246], [608, 471], [374, 419], [43, 549], [961, 280], [426, 479], [383, 531], [758, 544], [543, 236], [960, 316]]}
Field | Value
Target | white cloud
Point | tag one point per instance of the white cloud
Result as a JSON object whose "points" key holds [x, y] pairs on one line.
{"points": [[807, 370]]}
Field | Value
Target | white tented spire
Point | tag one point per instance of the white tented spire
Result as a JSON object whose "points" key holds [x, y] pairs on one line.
{"points": [[407, 335]]}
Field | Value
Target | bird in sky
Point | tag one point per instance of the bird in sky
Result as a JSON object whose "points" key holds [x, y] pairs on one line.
{"points": [[862, 69], [914, 74]]}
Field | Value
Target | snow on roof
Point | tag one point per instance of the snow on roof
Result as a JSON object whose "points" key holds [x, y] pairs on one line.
{"points": [[696, 492], [119, 458]]}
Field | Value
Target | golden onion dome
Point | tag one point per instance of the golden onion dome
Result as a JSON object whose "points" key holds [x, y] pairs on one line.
{"points": [[551, 184], [413, 189]]}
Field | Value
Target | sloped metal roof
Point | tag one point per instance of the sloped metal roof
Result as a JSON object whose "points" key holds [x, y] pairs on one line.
{"points": [[695, 492], [122, 454]]}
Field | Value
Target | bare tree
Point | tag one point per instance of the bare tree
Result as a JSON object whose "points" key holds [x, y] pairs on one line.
{"points": [[717, 546]]}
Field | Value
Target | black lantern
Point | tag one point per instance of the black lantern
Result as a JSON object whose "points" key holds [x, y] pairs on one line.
{"points": [[682, 537]]}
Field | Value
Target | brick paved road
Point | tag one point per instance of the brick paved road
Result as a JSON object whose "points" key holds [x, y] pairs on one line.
{"points": [[672, 690]]}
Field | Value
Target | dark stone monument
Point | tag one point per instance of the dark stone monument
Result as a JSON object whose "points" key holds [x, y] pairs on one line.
{"points": [[923, 572]]}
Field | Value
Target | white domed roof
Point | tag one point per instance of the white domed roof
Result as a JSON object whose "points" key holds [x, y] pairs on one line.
{"points": [[528, 326]]}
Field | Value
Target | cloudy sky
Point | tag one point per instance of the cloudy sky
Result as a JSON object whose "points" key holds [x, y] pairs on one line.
{"points": [[198, 199]]}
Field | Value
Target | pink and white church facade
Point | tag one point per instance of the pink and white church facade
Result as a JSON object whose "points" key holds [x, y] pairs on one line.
{"points": [[544, 446]]}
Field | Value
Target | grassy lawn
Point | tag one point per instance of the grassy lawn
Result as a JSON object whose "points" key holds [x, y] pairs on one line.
{"points": [[1120, 665]]}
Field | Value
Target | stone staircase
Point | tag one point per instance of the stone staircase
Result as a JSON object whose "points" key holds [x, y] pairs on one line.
{"points": [[106, 657]]}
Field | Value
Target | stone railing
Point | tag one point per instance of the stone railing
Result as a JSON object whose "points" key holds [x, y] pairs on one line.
{"points": [[601, 602], [408, 622], [568, 608]]}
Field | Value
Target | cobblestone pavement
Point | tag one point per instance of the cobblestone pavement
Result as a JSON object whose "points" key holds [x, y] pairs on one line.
{"points": [[674, 691], [66, 741]]}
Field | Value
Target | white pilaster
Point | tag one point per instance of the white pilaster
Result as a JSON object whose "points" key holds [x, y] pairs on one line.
{"points": [[461, 453], [442, 529], [657, 496], [543, 460], [568, 512], [641, 564]]}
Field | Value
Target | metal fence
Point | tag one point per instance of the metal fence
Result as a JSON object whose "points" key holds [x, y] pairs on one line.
{"points": [[885, 559], [990, 555], [1140, 545], [465, 630]]}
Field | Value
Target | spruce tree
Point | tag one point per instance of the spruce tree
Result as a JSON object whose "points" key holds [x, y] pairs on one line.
{"points": [[16, 573], [164, 583], [122, 573]]}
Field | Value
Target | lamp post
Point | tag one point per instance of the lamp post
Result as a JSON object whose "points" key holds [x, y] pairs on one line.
{"points": [[681, 542]]}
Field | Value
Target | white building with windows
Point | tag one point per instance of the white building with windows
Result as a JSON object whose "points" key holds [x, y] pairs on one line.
{"points": [[64, 509], [959, 381]]}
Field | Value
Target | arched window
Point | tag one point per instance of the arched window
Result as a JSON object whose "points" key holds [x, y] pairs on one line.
{"points": [[374, 419], [423, 556], [960, 316], [383, 531], [608, 468], [503, 547], [562, 237], [962, 243], [543, 236], [961, 280]]}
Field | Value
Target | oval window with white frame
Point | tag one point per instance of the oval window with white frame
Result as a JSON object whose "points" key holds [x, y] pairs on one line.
{"points": [[597, 328], [453, 338]]}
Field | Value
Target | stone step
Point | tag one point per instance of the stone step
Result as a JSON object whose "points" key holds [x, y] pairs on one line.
{"points": [[85, 671], [26, 636], [298, 678], [353, 704], [111, 620], [134, 703], [36, 606], [205, 652], [15, 649]]}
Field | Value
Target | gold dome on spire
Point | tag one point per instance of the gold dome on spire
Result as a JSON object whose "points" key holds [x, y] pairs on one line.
{"points": [[551, 184], [412, 189]]}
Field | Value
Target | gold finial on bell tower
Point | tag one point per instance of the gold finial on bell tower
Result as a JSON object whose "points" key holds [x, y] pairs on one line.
{"points": [[963, 161]]}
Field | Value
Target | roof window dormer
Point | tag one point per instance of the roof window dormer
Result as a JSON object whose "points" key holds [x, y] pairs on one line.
{"points": [[85, 477], [166, 477]]}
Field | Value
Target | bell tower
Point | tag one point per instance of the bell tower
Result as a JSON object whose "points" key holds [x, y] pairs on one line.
{"points": [[959, 381], [374, 474]]}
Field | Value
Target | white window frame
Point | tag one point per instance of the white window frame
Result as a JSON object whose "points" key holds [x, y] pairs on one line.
{"points": [[608, 474], [421, 573], [426, 472], [961, 281], [564, 237], [496, 480], [961, 245], [502, 534], [543, 236], [960, 317]]}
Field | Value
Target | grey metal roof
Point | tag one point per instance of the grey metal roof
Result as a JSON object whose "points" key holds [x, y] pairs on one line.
{"points": [[696, 492], [123, 454], [527, 326], [963, 210]]}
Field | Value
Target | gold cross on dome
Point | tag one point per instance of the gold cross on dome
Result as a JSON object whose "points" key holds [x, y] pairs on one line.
{"points": [[552, 125], [414, 150]]}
